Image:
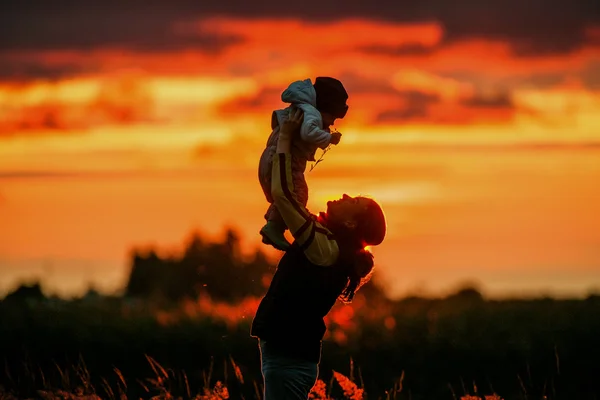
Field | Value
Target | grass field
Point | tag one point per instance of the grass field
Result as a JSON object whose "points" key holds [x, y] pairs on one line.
{"points": [[414, 348], [76, 384]]}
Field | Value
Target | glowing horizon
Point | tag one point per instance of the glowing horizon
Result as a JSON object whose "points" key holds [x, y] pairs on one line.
{"points": [[482, 148]]}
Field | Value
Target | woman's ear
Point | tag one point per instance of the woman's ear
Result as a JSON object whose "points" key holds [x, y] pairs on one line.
{"points": [[351, 224]]}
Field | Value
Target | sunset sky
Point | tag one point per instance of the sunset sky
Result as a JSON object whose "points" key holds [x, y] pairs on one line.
{"points": [[476, 125]]}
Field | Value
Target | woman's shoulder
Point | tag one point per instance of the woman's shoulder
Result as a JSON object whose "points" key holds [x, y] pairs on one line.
{"points": [[324, 249], [323, 230]]}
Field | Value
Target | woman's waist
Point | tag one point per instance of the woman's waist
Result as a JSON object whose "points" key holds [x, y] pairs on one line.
{"points": [[281, 317], [278, 353]]}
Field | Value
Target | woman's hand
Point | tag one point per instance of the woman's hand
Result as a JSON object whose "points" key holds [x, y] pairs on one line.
{"points": [[289, 129]]}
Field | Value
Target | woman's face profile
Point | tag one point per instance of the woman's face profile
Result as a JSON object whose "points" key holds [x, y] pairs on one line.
{"points": [[346, 208]]}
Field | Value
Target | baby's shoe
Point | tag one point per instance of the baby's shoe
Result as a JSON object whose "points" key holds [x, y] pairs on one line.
{"points": [[273, 236]]}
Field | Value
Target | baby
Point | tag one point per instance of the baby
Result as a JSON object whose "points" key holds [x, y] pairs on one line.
{"points": [[322, 103]]}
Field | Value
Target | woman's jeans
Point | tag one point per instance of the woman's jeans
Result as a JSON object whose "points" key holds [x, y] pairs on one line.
{"points": [[286, 378]]}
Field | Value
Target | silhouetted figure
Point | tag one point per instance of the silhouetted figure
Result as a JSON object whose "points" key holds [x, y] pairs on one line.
{"points": [[327, 261], [322, 103]]}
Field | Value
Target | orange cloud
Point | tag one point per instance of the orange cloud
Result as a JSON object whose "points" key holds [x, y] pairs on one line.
{"points": [[82, 103], [463, 81], [272, 50], [420, 80], [73, 106]]}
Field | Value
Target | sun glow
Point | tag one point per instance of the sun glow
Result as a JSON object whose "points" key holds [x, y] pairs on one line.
{"points": [[460, 141]]}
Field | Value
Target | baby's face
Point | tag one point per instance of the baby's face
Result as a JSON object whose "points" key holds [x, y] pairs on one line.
{"points": [[328, 119]]}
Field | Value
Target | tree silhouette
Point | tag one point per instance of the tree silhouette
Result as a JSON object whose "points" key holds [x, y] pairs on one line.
{"points": [[217, 269], [25, 293]]}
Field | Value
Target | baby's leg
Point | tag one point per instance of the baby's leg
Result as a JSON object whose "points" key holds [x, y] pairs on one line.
{"points": [[300, 187], [274, 217], [264, 176], [273, 232], [265, 166]]}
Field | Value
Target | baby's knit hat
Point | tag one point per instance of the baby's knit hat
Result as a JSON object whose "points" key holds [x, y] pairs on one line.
{"points": [[331, 96]]}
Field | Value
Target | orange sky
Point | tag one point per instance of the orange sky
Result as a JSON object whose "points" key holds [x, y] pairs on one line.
{"points": [[486, 160]]}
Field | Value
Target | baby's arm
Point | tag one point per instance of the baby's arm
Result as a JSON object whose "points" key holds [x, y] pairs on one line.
{"points": [[311, 132]]}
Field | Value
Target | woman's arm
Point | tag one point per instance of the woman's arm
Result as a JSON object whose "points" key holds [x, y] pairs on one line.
{"points": [[316, 241]]}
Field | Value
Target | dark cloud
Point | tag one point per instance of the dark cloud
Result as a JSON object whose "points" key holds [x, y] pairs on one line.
{"points": [[415, 96], [267, 98], [543, 80], [18, 174], [22, 71], [404, 50], [591, 76], [359, 84], [548, 146], [539, 80], [429, 109], [501, 100], [48, 116], [590, 146], [409, 113], [416, 106], [84, 25], [70, 174], [534, 27]]}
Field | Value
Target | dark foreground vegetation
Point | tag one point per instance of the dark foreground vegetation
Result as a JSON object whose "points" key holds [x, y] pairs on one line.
{"points": [[181, 329]]}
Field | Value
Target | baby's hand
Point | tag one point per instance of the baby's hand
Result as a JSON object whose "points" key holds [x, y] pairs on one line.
{"points": [[335, 137]]}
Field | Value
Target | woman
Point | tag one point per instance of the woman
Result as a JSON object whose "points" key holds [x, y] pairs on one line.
{"points": [[327, 261]]}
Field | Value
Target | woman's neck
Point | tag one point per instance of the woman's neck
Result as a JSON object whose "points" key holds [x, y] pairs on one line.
{"points": [[322, 219], [340, 234]]}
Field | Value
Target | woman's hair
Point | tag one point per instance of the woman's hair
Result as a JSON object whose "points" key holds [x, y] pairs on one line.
{"points": [[359, 269], [359, 261]]}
